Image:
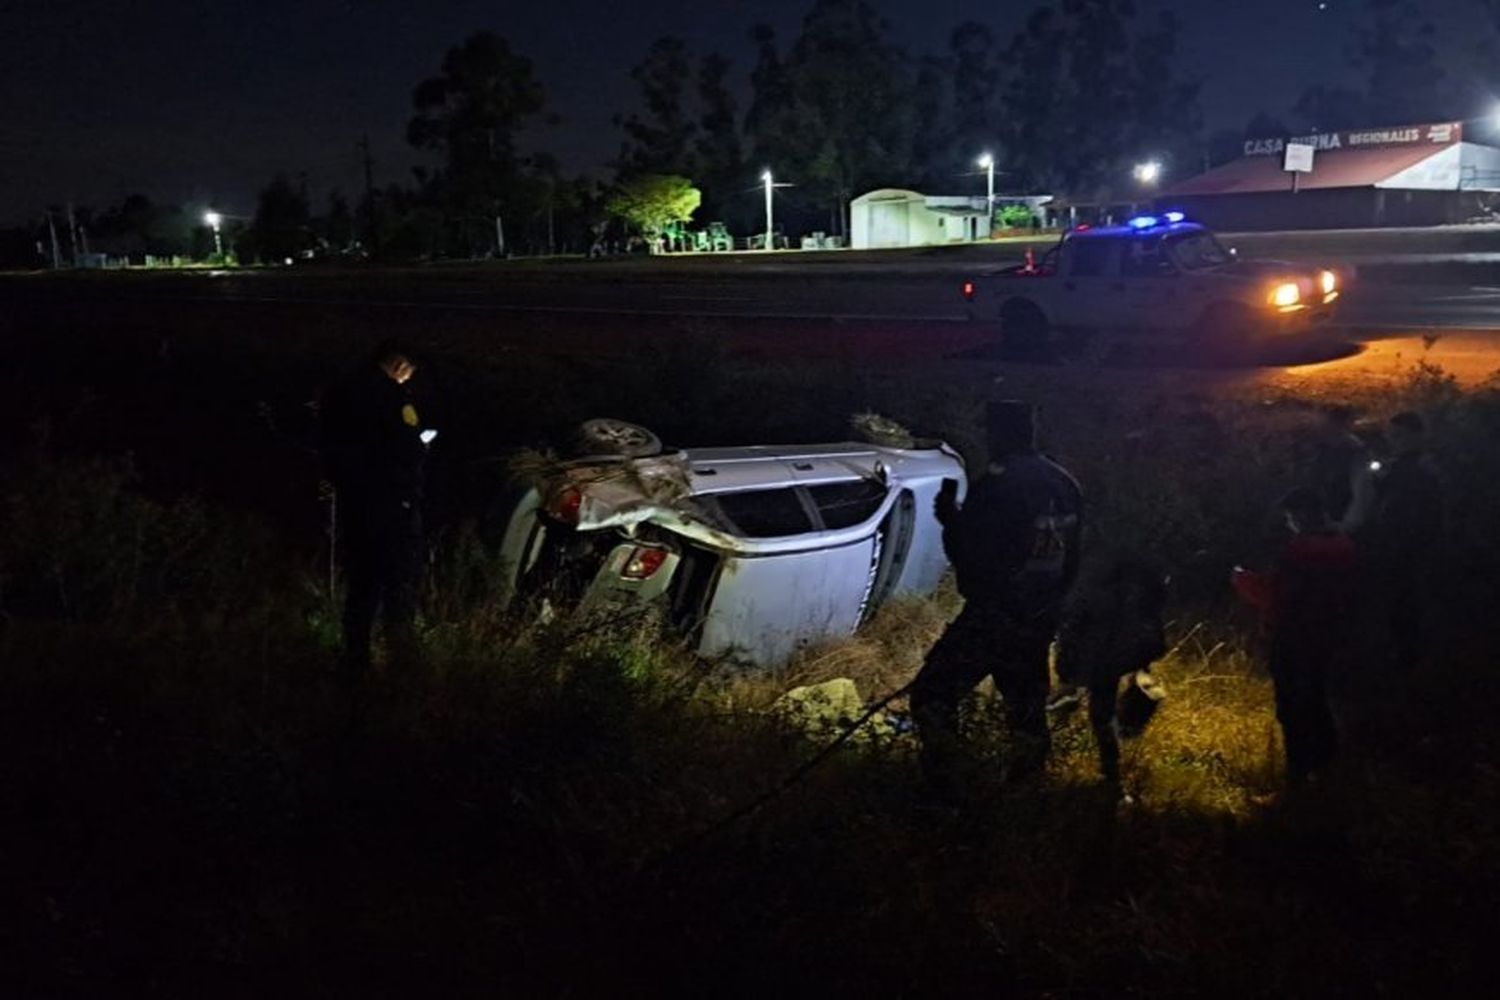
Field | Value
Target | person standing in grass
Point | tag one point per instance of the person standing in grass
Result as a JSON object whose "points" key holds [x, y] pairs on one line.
{"points": [[1306, 601], [1404, 534], [1014, 546], [374, 449]]}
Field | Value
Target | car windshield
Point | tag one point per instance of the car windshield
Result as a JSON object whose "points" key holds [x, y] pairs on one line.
{"points": [[1197, 251]]}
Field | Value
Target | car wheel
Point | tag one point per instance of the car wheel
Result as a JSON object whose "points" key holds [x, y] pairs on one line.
{"points": [[1023, 327], [607, 436], [1230, 333]]}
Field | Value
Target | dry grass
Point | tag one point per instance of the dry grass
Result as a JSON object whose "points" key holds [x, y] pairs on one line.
{"points": [[199, 804]]}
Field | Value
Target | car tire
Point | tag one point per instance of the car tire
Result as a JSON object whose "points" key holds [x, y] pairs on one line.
{"points": [[618, 438], [1023, 326], [1230, 333]]}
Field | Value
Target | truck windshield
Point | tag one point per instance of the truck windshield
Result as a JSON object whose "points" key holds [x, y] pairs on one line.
{"points": [[1197, 251]]}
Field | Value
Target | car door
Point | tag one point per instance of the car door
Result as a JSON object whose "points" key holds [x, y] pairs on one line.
{"points": [[1149, 285], [1088, 271]]}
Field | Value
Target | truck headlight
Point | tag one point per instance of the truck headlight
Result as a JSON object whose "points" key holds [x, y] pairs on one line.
{"points": [[1285, 294], [1328, 281]]}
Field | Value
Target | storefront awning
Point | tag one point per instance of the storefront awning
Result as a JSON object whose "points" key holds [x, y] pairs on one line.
{"points": [[1346, 168]]}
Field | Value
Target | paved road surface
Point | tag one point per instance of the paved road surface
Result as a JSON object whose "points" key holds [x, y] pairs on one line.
{"points": [[850, 293], [1456, 325]]}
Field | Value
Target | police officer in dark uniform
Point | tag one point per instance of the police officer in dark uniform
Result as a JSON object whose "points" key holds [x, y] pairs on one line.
{"points": [[1407, 531], [1014, 546], [375, 449]]}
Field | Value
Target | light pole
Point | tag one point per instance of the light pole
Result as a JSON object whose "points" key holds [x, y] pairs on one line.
{"points": [[988, 163], [213, 219], [766, 177]]}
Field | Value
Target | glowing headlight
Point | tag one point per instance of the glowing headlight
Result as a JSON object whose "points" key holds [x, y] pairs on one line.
{"points": [[1285, 294], [1328, 281]]}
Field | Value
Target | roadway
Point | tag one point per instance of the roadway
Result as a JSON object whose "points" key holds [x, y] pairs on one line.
{"points": [[855, 292], [1447, 312]]}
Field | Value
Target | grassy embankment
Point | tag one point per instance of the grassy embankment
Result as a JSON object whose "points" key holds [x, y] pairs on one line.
{"points": [[192, 803]]}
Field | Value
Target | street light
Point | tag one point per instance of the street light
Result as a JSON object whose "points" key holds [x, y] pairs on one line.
{"points": [[213, 219], [766, 177], [1148, 172], [988, 163]]}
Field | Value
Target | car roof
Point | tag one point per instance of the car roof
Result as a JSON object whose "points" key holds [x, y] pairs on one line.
{"points": [[723, 470], [1130, 232]]}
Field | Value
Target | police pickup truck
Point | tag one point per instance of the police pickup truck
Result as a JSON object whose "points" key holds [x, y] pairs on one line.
{"points": [[1155, 274]]}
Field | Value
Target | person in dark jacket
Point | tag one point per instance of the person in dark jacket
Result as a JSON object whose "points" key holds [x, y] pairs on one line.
{"points": [[1307, 603], [374, 449], [1406, 528], [1111, 629], [1340, 461], [1014, 546]]}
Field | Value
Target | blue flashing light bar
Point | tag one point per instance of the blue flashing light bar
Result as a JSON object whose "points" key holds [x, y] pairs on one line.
{"points": [[1174, 217], [1142, 222]]}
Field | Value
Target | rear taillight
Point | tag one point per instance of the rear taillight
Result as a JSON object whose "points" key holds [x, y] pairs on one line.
{"points": [[643, 562], [565, 506], [969, 290]]}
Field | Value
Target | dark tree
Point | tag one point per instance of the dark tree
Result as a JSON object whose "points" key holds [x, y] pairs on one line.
{"points": [[938, 155], [836, 113], [660, 139], [337, 224], [1090, 92], [720, 151], [282, 226], [1393, 48], [976, 93], [472, 114]]}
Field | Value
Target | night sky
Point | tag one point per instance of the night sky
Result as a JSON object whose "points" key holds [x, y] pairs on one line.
{"points": [[202, 102]]}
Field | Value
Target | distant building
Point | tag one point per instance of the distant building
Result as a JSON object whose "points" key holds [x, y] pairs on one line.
{"points": [[893, 217], [1411, 175]]}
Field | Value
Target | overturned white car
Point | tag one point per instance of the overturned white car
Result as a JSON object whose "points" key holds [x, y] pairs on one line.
{"points": [[751, 552]]}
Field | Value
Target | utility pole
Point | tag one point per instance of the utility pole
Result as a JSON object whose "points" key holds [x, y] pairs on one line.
{"points": [[52, 230], [72, 235], [372, 231]]}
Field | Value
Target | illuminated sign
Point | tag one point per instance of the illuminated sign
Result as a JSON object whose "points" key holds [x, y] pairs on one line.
{"points": [[1441, 133]]}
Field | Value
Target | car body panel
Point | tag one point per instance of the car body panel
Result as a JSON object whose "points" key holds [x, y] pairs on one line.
{"points": [[768, 547]]}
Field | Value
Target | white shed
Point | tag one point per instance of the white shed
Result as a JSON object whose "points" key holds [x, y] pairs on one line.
{"points": [[894, 217]]}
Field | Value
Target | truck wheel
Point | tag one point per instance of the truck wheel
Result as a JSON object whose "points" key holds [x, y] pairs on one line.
{"points": [[1230, 333], [1022, 325]]}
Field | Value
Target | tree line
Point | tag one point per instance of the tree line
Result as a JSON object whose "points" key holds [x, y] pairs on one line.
{"points": [[1065, 101]]}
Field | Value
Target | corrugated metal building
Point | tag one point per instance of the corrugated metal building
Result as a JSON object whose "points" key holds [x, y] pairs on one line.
{"points": [[895, 217], [1411, 175]]}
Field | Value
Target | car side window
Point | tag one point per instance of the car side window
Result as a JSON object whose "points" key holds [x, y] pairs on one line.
{"points": [[1146, 259], [765, 513], [843, 505], [1090, 258]]}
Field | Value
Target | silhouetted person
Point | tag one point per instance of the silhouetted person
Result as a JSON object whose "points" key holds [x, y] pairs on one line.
{"points": [[1014, 547], [374, 451], [1405, 531], [1306, 601], [1340, 464], [1111, 628]]}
